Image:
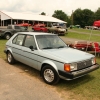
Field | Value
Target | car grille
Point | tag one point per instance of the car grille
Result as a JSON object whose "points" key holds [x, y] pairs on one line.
{"points": [[84, 64]]}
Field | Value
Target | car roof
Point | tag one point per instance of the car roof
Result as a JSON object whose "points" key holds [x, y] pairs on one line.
{"points": [[39, 25], [35, 33]]}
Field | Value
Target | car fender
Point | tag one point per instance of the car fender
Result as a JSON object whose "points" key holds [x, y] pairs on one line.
{"points": [[7, 32], [50, 63], [9, 49]]}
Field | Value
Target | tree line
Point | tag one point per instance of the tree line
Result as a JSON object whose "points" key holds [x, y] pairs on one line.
{"points": [[84, 17]]}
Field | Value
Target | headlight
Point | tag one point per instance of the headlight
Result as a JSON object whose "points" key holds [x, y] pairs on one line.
{"points": [[73, 66], [93, 61], [70, 67]]}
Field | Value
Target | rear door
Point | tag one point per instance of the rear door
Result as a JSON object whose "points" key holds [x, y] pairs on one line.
{"points": [[17, 46]]}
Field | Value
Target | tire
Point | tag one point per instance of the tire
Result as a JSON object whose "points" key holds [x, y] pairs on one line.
{"points": [[49, 31], [32, 29], [10, 58], [49, 75], [7, 36]]}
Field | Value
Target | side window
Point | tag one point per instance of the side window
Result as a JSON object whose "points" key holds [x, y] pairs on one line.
{"points": [[9, 27], [17, 27], [29, 41], [18, 39]]}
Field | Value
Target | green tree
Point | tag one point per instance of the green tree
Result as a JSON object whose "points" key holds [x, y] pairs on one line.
{"points": [[76, 17], [97, 14], [43, 13], [83, 17], [60, 15], [87, 18]]}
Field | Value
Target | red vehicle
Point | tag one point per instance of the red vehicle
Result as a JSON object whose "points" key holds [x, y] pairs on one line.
{"points": [[82, 45], [24, 24], [96, 47], [40, 27], [96, 23]]}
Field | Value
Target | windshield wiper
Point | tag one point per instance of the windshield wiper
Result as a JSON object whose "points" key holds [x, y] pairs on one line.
{"points": [[61, 46], [47, 48]]}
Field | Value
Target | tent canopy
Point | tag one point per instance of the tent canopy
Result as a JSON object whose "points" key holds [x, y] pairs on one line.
{"points": [[28, 16]]}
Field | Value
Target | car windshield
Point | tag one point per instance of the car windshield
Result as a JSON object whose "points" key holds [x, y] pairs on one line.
{"points": [[50, 42]]}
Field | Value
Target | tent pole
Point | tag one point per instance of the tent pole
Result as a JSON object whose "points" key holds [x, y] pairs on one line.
{"points": [[89, 38], [17, 21], [11, 21], [1, 22]]}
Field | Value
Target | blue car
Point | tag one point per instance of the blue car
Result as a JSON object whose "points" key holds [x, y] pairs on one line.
{"points": [[50, 55]]}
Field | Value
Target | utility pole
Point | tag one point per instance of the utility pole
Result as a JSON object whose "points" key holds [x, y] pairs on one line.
{"points": [[72, 18]]}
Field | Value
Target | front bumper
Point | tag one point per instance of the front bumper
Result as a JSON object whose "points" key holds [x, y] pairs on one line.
{"points": [[77, 74]]}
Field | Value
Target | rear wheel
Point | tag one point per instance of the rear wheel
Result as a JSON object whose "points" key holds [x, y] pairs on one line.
{"points": [[32, 29], [49, 75], [10, 58], [7, 36], [49, 31]]}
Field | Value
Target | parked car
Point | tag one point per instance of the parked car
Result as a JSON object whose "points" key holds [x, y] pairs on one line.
{"points": [[94, 27], [75, 26], [82, 45], [11, 30], [50, 55], [24, 24], [57, 30], [91, 27], [39, 28]]}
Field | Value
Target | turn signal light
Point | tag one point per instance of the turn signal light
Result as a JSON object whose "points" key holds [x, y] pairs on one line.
{"points": [[67, 67]]}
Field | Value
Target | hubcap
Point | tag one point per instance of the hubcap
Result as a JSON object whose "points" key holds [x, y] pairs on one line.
{"points": [[9, 57], [49, 75], [7, 37]]}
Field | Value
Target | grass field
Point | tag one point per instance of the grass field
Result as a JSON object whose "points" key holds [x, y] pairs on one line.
{"points": [[86, 30], [84, 88], [78, 35], [2, 47], [87, 87]]}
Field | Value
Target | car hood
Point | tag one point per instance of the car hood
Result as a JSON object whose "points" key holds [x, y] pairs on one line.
{"points": [[68, 55], [61, 29]]}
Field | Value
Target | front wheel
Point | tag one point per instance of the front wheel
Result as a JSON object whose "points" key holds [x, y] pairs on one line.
{"points": [[49, 75], [10, 58]]}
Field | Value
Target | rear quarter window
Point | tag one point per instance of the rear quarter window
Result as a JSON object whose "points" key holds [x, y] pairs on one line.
{"points": [[18, 40]]}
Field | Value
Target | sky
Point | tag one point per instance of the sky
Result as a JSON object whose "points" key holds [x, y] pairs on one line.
{"points": [[48, 6]]}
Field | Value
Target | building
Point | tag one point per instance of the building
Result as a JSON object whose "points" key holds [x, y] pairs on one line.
{"points": [[17, 18]]}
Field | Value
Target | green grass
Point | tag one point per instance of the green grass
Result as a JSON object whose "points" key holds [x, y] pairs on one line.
{"points": [[87, 87], [83, 36], [85, 30], [2, 47], [84, 88]]}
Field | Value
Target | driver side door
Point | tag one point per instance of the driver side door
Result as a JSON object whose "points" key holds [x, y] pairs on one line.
{"points": [[30, 55]]}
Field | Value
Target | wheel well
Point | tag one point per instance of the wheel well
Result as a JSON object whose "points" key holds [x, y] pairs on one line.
{"points": [[43, 66], [8, 33], [7, 51]]}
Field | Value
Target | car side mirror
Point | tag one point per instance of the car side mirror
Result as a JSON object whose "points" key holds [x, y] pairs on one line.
{"points": [[31, 47]]}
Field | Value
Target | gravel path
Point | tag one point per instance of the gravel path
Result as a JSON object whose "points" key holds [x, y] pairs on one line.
{"points": [[20, 82]]}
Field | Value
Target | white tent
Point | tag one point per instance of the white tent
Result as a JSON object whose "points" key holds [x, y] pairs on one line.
{"points": [[28, 16]]}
